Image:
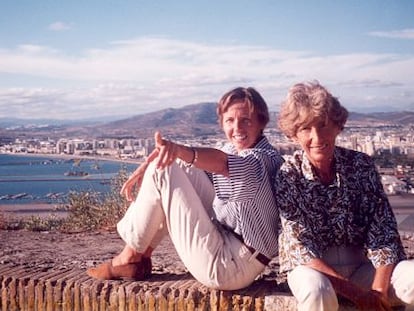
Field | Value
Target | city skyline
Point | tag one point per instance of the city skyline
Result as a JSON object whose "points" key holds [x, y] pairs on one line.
{"points": [[82, 60]]}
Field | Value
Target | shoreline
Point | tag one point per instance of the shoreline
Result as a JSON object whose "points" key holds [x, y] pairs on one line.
{"points": [[396, 201], [33, 198], [74, 157], [32, 209], [401, 204]]}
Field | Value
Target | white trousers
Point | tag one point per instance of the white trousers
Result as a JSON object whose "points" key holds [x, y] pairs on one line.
{"points": [[178, 201], [314, 291]]}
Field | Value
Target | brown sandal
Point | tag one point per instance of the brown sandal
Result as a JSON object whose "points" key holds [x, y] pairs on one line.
{"points": [[137, 271]]}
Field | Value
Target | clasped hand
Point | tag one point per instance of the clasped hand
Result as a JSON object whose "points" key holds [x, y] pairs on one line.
{"points": [[372, 300]]}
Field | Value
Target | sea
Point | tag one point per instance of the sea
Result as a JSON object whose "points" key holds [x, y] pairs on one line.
{"points": [[26, 179]]}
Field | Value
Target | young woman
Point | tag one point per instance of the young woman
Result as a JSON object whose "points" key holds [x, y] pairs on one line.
{"points": [[223, 224]]}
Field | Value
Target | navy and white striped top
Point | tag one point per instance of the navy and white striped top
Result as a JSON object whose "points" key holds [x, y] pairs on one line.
{"points": [[245, 201]]}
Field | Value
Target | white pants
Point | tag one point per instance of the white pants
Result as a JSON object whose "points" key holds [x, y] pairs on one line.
{"points": [[178, 201], [314, 291]]}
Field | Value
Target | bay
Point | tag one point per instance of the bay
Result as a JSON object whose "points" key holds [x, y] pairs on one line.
{"points": [[26, 179]]}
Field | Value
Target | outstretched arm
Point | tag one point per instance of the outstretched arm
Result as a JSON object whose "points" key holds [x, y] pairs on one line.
{"points": [[166, 152], [208, 159]]}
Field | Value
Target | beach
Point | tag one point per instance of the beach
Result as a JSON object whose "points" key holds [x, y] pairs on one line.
{"points": [[401, 204], [32, 209]]}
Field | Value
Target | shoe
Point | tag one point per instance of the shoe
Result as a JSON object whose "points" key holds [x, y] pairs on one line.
{"points": [[137, 271], [146, 262]]}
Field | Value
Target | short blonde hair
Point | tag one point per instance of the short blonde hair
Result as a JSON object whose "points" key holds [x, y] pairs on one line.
{"points": [[308, 102]]}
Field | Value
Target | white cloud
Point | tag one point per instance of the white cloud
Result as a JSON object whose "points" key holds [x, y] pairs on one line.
{"points": [[135, 76], [59, 26], [395, 34]]}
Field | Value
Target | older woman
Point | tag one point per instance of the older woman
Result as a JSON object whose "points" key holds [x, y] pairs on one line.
{"points": [[339, 234], [222, 224]]}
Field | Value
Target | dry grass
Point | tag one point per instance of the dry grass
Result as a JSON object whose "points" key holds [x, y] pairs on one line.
{"points": [[89, 210], [2, 220]]}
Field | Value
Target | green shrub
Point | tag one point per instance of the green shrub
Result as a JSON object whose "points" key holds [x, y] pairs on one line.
{"points": [[90, 210]]}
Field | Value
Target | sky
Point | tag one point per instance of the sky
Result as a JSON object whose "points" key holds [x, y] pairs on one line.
{"points": [[102, 59]]}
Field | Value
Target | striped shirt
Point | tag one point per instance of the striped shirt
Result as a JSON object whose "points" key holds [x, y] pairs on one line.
{"points": [[245, 202]]}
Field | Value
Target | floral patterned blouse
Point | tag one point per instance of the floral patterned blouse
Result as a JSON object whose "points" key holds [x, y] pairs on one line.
{"points": [[351, 211]]}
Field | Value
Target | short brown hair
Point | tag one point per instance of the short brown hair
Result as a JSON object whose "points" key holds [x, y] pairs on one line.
{"points": [[247, 95], [307, 102]]}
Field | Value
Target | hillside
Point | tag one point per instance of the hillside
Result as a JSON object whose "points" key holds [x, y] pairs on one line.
{"points": [[197, 119], [201, 119], [389, 118]]}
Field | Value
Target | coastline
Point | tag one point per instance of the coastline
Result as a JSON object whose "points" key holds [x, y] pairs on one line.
{"points": [[16, 181], [74, 157], [401, 205], [32, 209]]}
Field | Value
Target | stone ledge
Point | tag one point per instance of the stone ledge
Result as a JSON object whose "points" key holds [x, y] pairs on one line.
{"points": [[32, 288]]}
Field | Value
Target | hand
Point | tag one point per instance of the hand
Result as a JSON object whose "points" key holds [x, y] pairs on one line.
{"points": [[372, 300], [136, 178], [168, 151]]}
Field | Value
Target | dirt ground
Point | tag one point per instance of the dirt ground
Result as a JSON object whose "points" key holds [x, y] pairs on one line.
{"points": [[54, 250], [81, 250]]}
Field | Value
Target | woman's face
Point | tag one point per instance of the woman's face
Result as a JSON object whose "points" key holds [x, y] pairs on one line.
{"points": [[242, 128], [318, 141]]}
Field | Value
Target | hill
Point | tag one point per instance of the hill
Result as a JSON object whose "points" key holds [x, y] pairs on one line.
{"points": [[201, 119], [197, 119], [386, 118], [188, 121]]}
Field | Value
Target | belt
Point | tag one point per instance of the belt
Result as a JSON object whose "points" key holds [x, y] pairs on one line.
{"points": [[259, 256]]}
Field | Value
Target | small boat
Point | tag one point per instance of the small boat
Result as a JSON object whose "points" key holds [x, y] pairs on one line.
{"points": [[76, 173], [18, 196], [54, 195]]}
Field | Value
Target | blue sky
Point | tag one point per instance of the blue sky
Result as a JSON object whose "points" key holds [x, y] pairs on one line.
{"points": [[113, 59]]}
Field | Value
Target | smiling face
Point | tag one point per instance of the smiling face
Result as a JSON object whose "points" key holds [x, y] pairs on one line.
{"points": [[317, 139], [241, 126]]}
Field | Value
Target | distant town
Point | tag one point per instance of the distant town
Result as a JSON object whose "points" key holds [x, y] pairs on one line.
{"points": [[371, 139]]}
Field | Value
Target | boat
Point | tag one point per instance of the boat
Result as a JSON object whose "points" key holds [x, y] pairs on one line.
{"points": [[18, 196], [76, 173]]}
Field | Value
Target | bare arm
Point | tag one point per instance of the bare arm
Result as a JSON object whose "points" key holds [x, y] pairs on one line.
{"points": [[165, 152], [382, 279], [364, 299], [209, 159]]}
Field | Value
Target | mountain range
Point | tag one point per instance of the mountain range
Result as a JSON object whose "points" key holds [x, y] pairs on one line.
{"points": [[188, 121]]}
